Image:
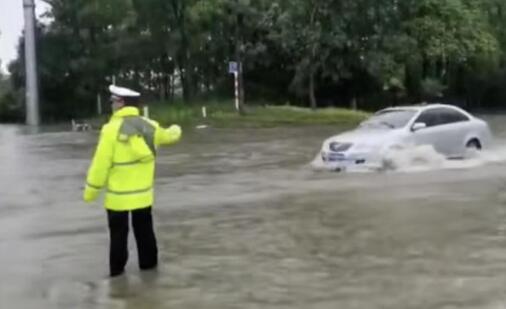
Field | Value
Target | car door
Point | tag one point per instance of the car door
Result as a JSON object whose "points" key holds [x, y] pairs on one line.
{"points": [[454, 129], [434, 133]]}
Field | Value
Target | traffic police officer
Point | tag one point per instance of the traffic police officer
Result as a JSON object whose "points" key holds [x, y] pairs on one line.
{"points": [[124, 165]]}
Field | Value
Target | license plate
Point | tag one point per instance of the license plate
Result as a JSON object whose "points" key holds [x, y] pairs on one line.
{"points": [[333, 157]]}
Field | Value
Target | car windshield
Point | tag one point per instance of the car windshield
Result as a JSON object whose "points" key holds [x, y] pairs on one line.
{"points": [[393, 119]]}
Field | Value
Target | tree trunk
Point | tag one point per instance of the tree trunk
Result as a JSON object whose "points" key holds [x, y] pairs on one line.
{"points": [[312, 98], [166, 80], [185, 83], [171, 87], [354, 104], [312, 68], [185, 70], [163, 85]]}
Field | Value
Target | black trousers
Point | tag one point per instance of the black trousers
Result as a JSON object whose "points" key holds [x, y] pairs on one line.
{"points": [[147, 250]]}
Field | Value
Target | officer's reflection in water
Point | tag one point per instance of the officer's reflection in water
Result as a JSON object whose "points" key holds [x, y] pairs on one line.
{"points": [[124, 166]]}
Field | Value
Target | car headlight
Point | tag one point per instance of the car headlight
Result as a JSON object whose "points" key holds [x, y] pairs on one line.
{"points": [[339, 147]]}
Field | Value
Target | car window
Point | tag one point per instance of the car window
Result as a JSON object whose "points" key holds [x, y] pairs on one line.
{"points": [[394, 118], [430, 117], [440, 116], [452, 116]]}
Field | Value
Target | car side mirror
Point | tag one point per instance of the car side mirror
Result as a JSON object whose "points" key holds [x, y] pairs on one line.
{"points": [[418, 126]]}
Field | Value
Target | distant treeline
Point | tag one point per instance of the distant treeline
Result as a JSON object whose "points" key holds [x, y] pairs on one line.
{"points": [[365, 53]]}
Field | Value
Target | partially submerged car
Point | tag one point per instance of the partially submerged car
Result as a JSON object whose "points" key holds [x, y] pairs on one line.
{"points": [[450, 130]]}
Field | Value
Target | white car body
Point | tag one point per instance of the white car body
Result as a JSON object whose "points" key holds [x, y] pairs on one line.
{"points": [[450, 130]]}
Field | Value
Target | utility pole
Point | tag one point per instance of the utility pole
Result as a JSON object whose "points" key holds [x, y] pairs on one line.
{"points": [[32, 91]]}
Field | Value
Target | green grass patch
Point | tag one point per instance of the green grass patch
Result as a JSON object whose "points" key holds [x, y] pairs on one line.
{"points": [[223, 114]]}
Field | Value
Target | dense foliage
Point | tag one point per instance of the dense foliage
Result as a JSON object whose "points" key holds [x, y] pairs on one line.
{"points": [[365, 53]]}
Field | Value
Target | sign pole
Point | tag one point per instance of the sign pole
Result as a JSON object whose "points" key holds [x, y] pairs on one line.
{"points": [[233, 68], [236, 86]]}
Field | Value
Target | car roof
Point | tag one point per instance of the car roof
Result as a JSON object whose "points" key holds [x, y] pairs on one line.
{"points": [[420, 107]]}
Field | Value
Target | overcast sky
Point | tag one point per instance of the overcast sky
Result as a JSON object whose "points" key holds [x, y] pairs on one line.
{"points": [[11, 26]]}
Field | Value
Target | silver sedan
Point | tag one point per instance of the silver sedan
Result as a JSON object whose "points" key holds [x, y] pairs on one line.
{"points": [[449, 130]]}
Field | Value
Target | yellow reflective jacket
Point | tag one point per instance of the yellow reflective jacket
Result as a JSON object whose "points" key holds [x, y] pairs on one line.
{"points": [[124, 161]]}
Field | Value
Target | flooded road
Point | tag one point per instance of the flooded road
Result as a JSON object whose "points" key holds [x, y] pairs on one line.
{"points": [[244, 222]]}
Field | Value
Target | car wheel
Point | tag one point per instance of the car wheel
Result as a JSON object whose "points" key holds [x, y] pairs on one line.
{"points": [[473, 144]]}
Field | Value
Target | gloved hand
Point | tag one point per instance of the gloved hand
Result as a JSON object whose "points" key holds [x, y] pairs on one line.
{"points": [[168, 136], [90, 194], [175, 129]]}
